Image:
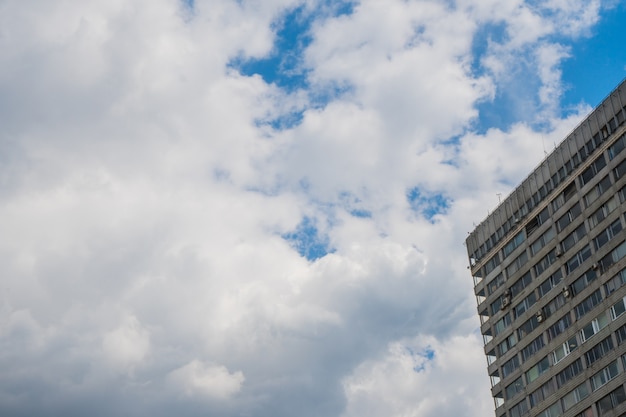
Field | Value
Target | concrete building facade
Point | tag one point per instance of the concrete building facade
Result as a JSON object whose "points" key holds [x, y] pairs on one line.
{"points": [[549, 269]]}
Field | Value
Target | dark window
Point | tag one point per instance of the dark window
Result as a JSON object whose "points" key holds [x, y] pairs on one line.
{"points": [[560, 326], [545, 262], [532, 348], [588, 304], [568, 217], [514, 243], [528, 326], [542, 393], [592, 170], [573, 238], [520, 284], [550, 283], [576, 260], [599, 350], [597, 191], [607, 234], [514, 388], [510, 366], [621, 334], [519, 409], [616, 282], [609, 402], [569, 372], [615, 255], [584, 280], [495, 283]]}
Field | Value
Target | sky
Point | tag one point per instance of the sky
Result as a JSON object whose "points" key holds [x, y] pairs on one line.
{"points": [[258, 207]]}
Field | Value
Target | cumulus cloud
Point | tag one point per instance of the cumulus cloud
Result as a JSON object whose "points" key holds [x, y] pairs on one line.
{"points": [[151, 204], [210, 380]]}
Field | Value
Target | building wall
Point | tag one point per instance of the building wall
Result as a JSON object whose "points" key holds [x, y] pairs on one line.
{"points": [[549, 268]]}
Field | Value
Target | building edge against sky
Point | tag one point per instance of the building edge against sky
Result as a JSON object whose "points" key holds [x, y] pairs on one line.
{"points": [[549, 269]]}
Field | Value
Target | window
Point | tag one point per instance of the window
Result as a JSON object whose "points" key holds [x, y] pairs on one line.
{"points": [[532, 348], [554, 410], [520, 284], [502, 324], [568, 217], [528, 326], [542, 241], [524, 305], [575, 396], [597, 191], [514, 243], [606, 374], [510, 366], [613, 257], [580, 257], [495, 283], [598, 351], [587, 413], [573, 238], [507, 344], [514, 388], [617, 147], [569, 372], [583, 281], [601, 213], [607, 234], [552, 307], [618, 309], [592, 170], [620, 169], [536, 371], [541, 218], [492, 263], [517, 264], [567, 193], [594, 326], [588, 304], [564, 350], [621, 335], [519, 409], [545, 262], [609, 402], [551, 282], [496, 305], [560, 326], [542, 393], [616, 282]]}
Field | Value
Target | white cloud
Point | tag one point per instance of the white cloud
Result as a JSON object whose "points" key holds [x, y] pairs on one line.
{"points": [[211, 380], [143, 197], [127, 345]]}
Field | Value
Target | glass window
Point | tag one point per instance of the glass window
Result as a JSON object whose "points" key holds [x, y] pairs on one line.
{"points": [[520, 284], [568, 217], [604, 375], [542, 241], [550, 283], [534, 372], [569, 372], [618, 309], [514, 243], [607, 234], [514, 388], [564, 350], [588, 304]]}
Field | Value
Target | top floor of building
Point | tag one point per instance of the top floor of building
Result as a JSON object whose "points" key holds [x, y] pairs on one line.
{"points": [[576, 156]]}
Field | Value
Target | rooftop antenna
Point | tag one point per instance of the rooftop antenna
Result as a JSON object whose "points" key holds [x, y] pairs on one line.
{"points": [[543, 142], [499, 198]]}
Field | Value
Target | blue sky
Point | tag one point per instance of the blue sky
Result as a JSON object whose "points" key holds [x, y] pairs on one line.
{"points": [[241, 207]]}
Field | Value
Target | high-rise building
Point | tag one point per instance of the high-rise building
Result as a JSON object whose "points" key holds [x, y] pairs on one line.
{"points": [[549, 269]]}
